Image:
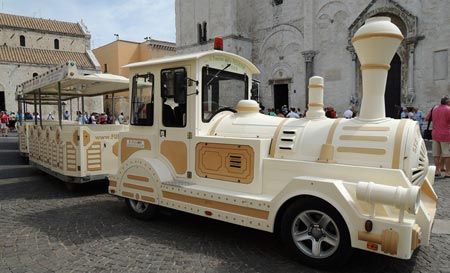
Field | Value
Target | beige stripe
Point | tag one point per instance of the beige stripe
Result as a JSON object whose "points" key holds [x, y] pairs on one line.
{"points": [[377, 35], [257, 213], [247, 109], [137, 177], [112, 183], [148, 199], [138, 187], [275, 137], [315, 86], [314, 104], [375, 66], [397, 144], [213, 129], [358, 150], [364, 138], [366, 128], [332, 130], [127, 194]]}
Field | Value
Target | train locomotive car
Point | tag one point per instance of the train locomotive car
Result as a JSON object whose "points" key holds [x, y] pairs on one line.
{"points": [[196, 143]]}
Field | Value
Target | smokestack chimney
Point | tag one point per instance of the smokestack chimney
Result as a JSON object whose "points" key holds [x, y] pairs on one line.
{"points": [[375, 43], [315, 104]]}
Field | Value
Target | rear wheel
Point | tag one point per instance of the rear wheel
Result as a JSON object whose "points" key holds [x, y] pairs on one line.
{"points": [[316, 233], [141, 210]]}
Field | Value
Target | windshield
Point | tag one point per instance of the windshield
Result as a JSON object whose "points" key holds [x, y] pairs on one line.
{"points": [[221, 90]]}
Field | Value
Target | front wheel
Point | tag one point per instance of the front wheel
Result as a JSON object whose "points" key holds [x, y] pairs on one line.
{"points": [[141, 210], [316, 233]]}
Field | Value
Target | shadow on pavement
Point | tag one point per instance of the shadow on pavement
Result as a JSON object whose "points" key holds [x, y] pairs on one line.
{"points": [[43, 186]]}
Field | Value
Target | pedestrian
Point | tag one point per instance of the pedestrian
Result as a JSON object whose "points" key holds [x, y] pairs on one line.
{"points": [[440, 116], [348, 114], [102, 119], [12, 121], [404, 113], [121, 118], [330, 112], [4, 120], [272, 112], [284, 110], [50, 116], [279, 113], [292, 113], [66, 115], [418, 116]]}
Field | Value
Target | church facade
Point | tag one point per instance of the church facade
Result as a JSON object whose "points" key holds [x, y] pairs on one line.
{"points": [[291, 40], [31, 46]]}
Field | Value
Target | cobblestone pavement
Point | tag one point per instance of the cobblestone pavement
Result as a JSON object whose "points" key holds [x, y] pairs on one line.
{"points": [[45, 228]]}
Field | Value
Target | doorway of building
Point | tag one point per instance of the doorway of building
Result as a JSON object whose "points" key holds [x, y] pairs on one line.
{"points": [[2, 100], [392, 97], [280, 95]]}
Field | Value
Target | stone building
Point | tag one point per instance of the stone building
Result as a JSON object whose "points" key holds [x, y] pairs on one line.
{"points": [[113, 56], [30, 46], [291, 40]]}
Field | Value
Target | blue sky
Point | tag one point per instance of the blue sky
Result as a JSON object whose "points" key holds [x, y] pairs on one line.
{"points": [[131, 19]]}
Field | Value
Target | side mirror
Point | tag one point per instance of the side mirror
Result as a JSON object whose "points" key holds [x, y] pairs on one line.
{"points": [[164, 90], [180, 86]]}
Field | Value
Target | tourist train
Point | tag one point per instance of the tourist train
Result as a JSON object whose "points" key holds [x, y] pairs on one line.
{"points": [[198, 144]]}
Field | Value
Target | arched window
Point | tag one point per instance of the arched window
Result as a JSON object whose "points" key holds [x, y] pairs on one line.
{"points": [[56, 43], [35, 74], [22, 40]]}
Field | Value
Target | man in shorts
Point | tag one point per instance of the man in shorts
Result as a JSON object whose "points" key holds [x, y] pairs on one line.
{"points": [[4, 120], [441, 137]]}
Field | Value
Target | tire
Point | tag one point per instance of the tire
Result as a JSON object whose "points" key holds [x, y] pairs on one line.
{"points": [[141, 210], [315, 233]]}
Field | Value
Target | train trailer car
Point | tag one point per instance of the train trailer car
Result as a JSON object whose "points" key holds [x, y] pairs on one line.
{"points": [[69, 150], [196, 143]]}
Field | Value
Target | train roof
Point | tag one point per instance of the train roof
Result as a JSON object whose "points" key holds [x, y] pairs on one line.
{"points": [[196, 56], [73, 84]]}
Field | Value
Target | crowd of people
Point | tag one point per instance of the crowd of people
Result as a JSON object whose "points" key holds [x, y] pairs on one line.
{"points": [[98, 118], [292, 112], [8, 120]]}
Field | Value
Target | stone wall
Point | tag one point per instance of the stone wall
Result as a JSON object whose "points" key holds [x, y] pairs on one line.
{"points": [[10, 37], [279, 34], [12, 74]]}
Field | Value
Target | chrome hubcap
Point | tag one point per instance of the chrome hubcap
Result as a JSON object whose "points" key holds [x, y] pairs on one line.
{"points": [[138, 206], [315, 234]]}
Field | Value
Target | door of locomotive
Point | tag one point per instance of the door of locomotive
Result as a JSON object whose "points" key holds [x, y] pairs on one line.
{"points": [[175, 124]]}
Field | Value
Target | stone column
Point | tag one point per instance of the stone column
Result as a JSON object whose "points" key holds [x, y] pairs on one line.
{"points": [[411, 91], [309, 70], [411, 43]]}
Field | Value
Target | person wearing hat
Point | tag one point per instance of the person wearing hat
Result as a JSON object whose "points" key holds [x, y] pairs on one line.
{"points": [[440, 116]]}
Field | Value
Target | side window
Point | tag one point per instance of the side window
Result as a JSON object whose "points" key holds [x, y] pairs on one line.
{"points": [[22, 40], [142, 112], [56, 44], [174, 94]]}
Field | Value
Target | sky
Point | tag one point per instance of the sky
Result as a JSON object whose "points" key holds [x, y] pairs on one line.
{"points": [[132, 19]]}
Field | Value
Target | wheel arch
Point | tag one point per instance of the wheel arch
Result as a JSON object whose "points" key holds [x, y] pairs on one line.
{"points": [[143, 176]]}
